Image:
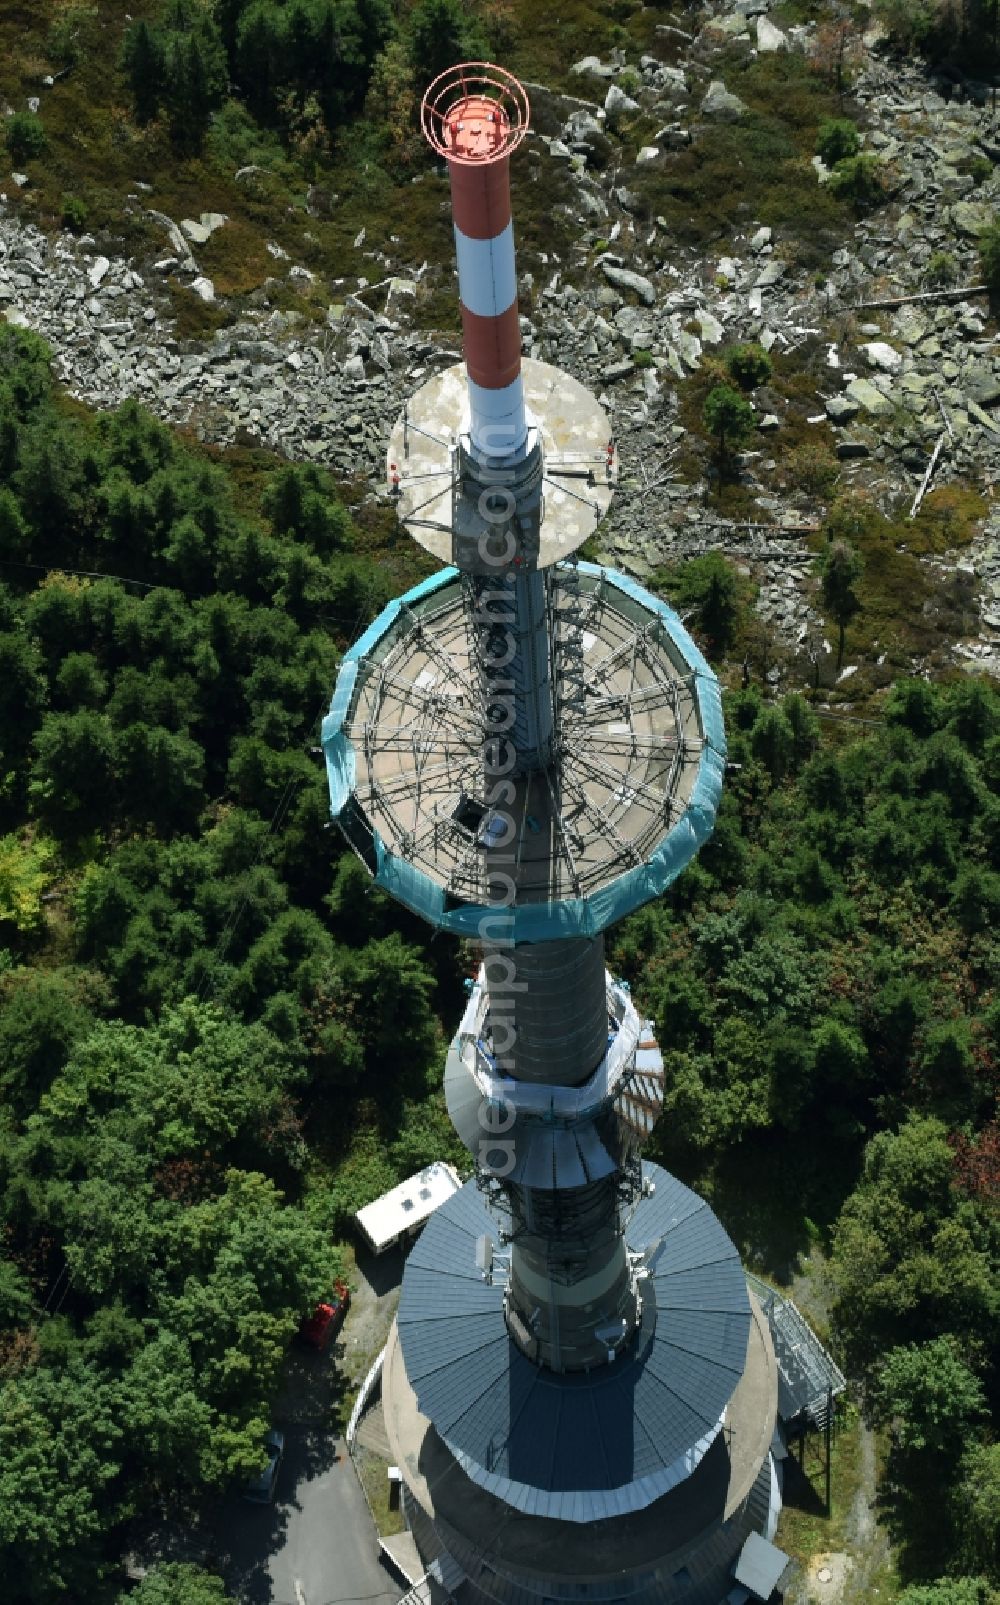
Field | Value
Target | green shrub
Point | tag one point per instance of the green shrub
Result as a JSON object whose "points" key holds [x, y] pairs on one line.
{"points": [[26, 872], [642, 358], [837, 139], [756, 163], [749, 365], [858, 179], [65, 42], [177, 1583], [979, 168], [74, 213], [940, 270], [25, 136], [812, 468], [948, 1591], [236, 139], [989, 254]]}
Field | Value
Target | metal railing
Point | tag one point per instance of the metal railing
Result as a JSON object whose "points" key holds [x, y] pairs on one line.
{"points": [[810, 1374]]}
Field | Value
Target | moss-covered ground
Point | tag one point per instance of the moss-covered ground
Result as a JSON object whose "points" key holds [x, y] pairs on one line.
{"points": [[842, 1537], [312, 201], [757, 170]]}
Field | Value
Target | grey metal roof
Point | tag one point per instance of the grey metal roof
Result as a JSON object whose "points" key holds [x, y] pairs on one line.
{"points": [[578, 1446], [547, 1156], [761, 1566]]}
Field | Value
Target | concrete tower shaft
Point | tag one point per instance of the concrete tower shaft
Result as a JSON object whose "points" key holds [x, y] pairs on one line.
{"points": [[572, 1299], [474, 115], [551, 1026], [570, 1279], [510, 614]]}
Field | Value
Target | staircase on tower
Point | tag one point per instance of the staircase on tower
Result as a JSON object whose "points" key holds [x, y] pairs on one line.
{"points": [[808, 1377]]}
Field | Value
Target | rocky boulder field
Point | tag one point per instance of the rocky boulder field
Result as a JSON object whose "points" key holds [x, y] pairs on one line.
{"points": [[893, 375]]}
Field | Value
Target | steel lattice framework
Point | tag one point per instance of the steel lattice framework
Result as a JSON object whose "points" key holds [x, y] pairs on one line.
{"points": [[629, 745]]}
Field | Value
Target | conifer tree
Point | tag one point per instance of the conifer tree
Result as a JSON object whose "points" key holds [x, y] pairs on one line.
{"points": [[144, 64]]}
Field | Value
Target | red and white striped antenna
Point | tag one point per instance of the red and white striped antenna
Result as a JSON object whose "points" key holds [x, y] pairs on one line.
{"points": [[475, 115]]}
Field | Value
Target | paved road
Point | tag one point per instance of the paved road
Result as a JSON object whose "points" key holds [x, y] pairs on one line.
{"points": [[331, 1548], [317, 1545]]}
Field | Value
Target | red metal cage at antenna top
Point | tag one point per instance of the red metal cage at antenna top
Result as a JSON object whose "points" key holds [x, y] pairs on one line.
{"points": [[475, 113]]}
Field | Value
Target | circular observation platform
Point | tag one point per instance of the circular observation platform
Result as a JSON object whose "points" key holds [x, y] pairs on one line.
{"points": [[581, 1446], [579, 470], [628, 799]]}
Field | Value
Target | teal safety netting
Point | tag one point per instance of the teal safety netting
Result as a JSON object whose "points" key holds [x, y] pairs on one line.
{"points": [[537, 922]]}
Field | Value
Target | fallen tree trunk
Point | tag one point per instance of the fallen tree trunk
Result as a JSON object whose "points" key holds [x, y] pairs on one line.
{"points": [[922, 492], [924, 295]]}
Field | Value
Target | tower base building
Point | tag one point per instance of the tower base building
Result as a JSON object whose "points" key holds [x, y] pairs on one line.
{"points": [[625, 1483]]}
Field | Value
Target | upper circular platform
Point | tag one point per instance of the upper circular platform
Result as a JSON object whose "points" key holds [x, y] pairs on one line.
{"points": [[580, 462], [475, 113], [581, 1446]]}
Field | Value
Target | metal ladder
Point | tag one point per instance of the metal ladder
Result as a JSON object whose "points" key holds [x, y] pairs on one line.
{"points": [[568, 671]]}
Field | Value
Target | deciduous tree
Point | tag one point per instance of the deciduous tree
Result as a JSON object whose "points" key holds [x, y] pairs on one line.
{"points": [[177, 1583], [928, 1396]]}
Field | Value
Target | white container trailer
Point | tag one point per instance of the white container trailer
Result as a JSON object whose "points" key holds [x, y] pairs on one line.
{"points": [[398, 1215]]}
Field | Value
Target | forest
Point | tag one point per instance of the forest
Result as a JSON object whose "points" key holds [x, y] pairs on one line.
{"points": [[203, 1005], [216, 1042], [303, 68], [200, 1009], [824, 985]]}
